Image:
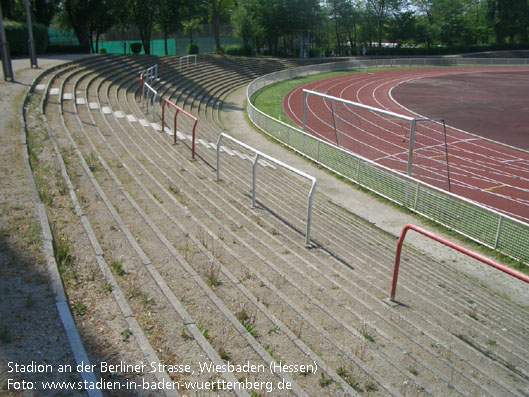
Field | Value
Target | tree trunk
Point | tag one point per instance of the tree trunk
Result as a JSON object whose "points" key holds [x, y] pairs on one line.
{"points": [[216, 32], [165, 42]]}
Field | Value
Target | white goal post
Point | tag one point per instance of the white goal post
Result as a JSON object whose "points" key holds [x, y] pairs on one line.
{"points": [[415, 146]]}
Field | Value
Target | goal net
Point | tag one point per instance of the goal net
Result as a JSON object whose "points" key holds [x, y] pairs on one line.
{"points": [[416, 147]]}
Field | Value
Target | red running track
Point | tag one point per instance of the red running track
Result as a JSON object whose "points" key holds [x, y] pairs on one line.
{"points": [[489, 173]]}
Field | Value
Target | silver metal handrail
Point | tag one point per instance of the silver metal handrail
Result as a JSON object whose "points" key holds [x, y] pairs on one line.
{"points": [[154, 97], [258, 155]]}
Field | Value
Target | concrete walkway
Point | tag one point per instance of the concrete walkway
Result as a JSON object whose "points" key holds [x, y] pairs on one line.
{"points": [[380, 214]]}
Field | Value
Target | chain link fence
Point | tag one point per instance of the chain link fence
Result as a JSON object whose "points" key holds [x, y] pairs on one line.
{"points": [[470, 219]]}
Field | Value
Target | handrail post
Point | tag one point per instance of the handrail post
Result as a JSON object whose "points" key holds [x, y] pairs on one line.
{"points": [[255, 161], [154, 99], [397, 263], [309, 212], [163, 115], [448, 243], [193, 143], [175, 132], [218, 156]]}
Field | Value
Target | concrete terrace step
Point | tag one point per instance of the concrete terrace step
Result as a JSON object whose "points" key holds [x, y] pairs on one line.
{"points": [[200, 245], [150, 239]]}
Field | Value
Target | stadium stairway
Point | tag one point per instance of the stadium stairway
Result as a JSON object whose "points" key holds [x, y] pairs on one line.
{"points": [[191, 272]]}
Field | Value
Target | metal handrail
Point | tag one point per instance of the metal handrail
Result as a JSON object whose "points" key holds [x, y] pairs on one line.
{"points": [[258, 155], [186, 57], [152, 73], [178, 110], [450, 244], [153, 99]]}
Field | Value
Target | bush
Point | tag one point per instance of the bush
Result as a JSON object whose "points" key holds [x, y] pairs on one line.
{"points": [[102, 50], [192, 49], [242, 50], [135, 47], [17, 37]]}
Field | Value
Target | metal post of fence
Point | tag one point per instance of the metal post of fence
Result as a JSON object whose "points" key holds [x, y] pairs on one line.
{"points": [[255, 161], [410, 150], [498, 232], [416, 196]]}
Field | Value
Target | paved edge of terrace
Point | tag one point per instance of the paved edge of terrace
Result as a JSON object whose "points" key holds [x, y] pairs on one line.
{"points": [[20, 67], [375, 212]]}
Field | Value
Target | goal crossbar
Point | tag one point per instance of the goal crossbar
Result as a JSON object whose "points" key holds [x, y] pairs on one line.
{"points": [[412, 125]]}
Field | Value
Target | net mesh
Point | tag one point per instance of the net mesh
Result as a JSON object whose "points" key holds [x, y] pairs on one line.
{"points": [[381, 137], [430, 154]]}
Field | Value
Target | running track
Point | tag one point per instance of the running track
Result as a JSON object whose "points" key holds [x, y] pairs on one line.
{"points": [[486, 172]]}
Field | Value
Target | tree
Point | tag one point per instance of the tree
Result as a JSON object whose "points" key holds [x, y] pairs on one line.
{"points": [[105, 15], [168, 18], [509, 19], [77, 15], [381, 9], [219, 10], [191, 27], [401, 27], [143, 14], [244, 24]]}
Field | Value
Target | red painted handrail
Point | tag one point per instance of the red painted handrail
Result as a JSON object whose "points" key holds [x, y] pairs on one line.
{"points": [[178, 110], [450, 244]]}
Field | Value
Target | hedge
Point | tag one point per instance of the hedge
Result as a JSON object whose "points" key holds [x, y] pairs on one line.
{"points": [[241, 50], [17, 37]]}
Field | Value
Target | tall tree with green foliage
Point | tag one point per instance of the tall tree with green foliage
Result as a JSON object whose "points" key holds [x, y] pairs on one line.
{"points": [[169, 18], [219, 10], [509, 19], [143, 14], [77, 15], [244, 24]]}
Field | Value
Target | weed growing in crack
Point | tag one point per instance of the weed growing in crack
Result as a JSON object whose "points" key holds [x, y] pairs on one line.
{"points": [[183, 332], [275, 330], [62, 255], [366, 334], [248, 321], [342, 373], [371, 387], [324, 381], [126, 334], [117, 268], [202, 328], [105, 287], [213, 275], [79, 308]]}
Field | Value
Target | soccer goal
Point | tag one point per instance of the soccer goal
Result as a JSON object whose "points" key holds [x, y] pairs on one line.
{"points": [[414, 146]]}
